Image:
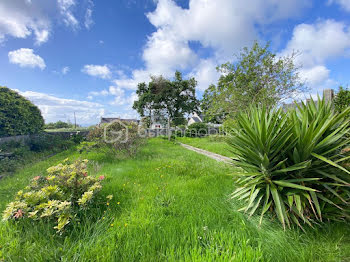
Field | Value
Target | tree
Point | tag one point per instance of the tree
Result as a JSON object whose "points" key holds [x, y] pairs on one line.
{"points": [[256, 77], [342, 100], [173, 99], [18, 116]]}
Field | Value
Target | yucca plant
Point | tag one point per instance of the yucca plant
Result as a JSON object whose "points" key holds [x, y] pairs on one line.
{"points": [[291, 163]]}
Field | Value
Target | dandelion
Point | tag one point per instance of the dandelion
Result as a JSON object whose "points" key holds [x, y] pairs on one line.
{"points": [[118, 203], [107, 203], [112, 225]]}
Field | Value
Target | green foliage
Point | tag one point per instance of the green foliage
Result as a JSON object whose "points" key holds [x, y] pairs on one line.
{"points": [[58, 125], [257, 77], [15, 154], [342, 99], [197, 130], [293, 163], [60, 196], [18, 116], [171, 99], [121, 137]]}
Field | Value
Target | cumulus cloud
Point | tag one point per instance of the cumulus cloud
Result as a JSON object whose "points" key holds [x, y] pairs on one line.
{"points": [[25, 57], [225, 26], [97, 71], [21, 19], [54, 108], [318, 43]]}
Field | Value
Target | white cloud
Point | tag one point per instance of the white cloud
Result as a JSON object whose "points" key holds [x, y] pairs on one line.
{"points": [[65, 70], [25, 57], [97, 71], [54, 108], [205, 73], [225, 26], [342, 3], [65, 7], [318, 43], [21, 19]]}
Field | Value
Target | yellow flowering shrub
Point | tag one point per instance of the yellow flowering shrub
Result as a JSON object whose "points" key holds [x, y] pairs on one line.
{"points": [[65, 191]]}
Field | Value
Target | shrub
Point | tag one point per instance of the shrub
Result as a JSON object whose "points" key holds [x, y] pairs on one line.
{"points": [[121, 137], [292, 163], [18, 116], [44, 142], [66, 191], [197, 130]]}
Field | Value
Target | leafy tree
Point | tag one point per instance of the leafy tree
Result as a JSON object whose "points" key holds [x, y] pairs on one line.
{"points": [[257, 76], [18, 116], [342, 100], [58, 124], [173, 99]]}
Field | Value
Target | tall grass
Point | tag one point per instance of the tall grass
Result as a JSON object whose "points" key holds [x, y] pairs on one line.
{"points": [[169, 204]]}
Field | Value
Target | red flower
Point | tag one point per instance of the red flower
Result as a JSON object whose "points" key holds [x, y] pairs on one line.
{"points": [[19, 213], [101, 177]]}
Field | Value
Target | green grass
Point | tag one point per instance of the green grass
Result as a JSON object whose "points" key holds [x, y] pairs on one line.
{"points": [[209, 144], [174, 206]]}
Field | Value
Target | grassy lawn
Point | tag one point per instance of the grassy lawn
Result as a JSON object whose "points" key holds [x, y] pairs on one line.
{"points": [[207, 143], [169, 204]]}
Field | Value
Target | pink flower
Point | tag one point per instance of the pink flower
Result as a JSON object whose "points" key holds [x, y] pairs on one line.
{"points": [[19, 213], [36, 178], [101, 177], [85, 174]]}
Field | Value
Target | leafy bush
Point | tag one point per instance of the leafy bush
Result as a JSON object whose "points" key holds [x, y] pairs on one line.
{"points": [[121, 137], [14, 154], [197, 130], [293, 163], [60, 196], [58, 125], [18, 116]]}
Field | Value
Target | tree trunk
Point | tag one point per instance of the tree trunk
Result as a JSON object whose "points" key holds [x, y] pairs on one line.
{"points": [[169, 131]]}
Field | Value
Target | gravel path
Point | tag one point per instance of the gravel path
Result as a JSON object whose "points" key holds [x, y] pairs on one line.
{"points": [[212, 155]]}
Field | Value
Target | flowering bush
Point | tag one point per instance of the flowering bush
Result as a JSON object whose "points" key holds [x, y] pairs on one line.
{"points": [[60, 196]]}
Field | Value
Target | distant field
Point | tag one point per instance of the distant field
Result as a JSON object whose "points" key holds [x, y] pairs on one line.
{"points": [[209, 144]]}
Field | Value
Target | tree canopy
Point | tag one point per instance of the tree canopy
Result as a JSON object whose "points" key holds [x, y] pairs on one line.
{"points": [[342, 99], [18, 116], [170, 98], [257, 76]]}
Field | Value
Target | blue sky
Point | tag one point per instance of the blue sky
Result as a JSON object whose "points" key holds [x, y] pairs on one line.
{"points": [[87, 56]]}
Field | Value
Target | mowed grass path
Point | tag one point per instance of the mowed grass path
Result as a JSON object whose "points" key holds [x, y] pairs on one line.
{"points": [[209, 144], [170, 204]]}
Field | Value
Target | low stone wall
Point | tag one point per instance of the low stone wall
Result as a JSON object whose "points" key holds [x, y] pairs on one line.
{"points": [[21, 139]]}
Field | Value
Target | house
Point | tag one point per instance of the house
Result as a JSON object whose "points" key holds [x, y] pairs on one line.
{"points": [[195, 119], [106, 120]]}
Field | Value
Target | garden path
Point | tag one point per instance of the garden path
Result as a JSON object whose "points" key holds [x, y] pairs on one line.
{"points": [[212, 155]]}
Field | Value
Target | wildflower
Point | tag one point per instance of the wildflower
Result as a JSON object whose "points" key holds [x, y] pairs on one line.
{"points": [[101, 177], [118, 203], [85, 174], [112, 225], [66, 160], [36, 178], [125, 224], [107, 203], [109, 197]]}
